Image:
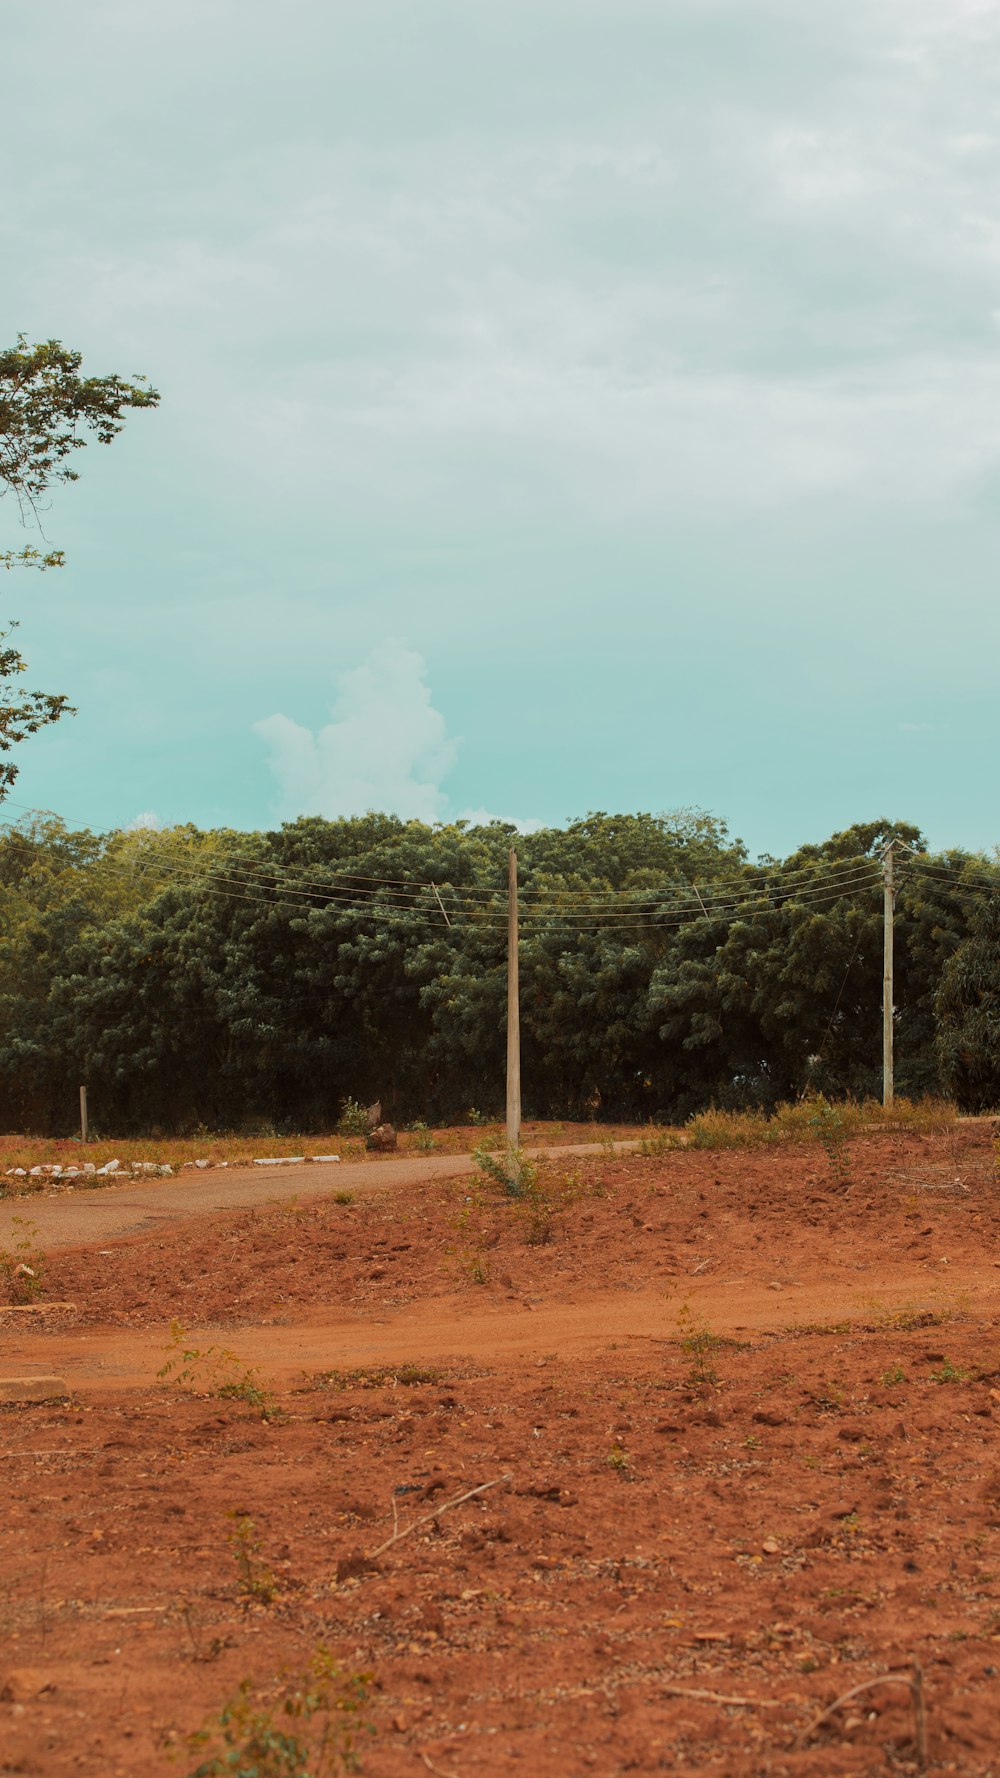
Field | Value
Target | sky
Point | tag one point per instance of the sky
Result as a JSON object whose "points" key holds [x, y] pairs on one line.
{"points": [[566, 405]]}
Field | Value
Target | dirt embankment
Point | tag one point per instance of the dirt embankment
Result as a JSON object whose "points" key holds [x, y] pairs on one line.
{"points": [[741, 1422]]}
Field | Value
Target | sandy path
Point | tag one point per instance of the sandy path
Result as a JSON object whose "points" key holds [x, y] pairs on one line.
{"points": [[78, 1218], [442, 1329]]}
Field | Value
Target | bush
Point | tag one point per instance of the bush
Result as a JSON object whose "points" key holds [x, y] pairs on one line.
{"points": [[353, 1119]]}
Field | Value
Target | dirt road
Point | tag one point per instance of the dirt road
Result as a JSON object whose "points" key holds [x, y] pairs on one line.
{"points": [[446, 1330], [70, 1218]]}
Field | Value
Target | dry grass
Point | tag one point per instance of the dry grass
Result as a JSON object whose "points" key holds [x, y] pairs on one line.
{"points": [[805, 1121], [35, 1151], [810, 1120]]}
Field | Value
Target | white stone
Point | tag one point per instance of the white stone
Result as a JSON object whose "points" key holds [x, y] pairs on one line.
{"points": [[203, 1163], [324, 1157]]}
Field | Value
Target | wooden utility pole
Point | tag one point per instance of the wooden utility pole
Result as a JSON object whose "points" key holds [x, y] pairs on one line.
{"points": [[513, 1021], [84, 1125], [887, 924]]}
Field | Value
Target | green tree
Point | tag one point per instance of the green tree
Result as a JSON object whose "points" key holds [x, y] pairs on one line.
{"points": [[968, 1012], [230, 979], [758, 1008], [47, 409]]}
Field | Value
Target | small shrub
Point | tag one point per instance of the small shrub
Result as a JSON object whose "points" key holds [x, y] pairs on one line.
{"points": [[423, 1139], [213, 1370], [353, 1119], [309, 1727], [699, 1344], [257, 1582], [513, 1172], [948, 1373]]}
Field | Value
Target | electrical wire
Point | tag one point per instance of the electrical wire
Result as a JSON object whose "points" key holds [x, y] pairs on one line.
{"points": [[551, 922], [555, 907], [656, 912], [404, 890], [955, 879]]}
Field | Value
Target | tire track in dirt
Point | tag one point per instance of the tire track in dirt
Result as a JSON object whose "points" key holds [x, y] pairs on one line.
{"points": [[436, 1330]]}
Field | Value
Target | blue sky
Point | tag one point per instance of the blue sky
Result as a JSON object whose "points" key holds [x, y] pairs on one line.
{"points": [[567, 404]]}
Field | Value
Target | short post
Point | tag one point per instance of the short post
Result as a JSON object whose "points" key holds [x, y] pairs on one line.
{"points": [[513, 1024], [84, 1125]]}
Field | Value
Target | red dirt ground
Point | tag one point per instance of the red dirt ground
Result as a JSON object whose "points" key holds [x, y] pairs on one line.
{"points": [[748, 1421]]}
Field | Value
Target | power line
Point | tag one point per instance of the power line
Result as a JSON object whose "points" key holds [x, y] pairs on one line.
{"points": [[404, 890], [961, 879], [551, 921], [656, 905], [783, 889], [555, 907]]}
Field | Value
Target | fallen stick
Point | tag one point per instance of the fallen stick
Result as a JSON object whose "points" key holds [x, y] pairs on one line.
{"points": [[437, 1770], [32, 1308], [446, 1507], [914, 1681], [682, 1691]]}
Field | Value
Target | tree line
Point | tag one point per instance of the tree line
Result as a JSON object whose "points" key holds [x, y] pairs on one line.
{"points": [[229, 980]]}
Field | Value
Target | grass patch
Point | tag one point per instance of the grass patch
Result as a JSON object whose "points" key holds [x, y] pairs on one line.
{"points": [[377, 1376], [241, 1149], [811, 1120]]}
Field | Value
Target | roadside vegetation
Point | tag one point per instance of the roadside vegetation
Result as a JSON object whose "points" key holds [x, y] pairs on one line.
{"points": [[257, 984]]}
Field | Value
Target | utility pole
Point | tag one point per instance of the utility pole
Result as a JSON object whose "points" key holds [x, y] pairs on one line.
{"points": [[887, 924], [84, 1121], [513, 1022]]}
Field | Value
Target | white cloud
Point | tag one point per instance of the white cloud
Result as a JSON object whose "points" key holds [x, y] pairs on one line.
{"points": [[482, 818], [387, 748], [147, 821]]}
